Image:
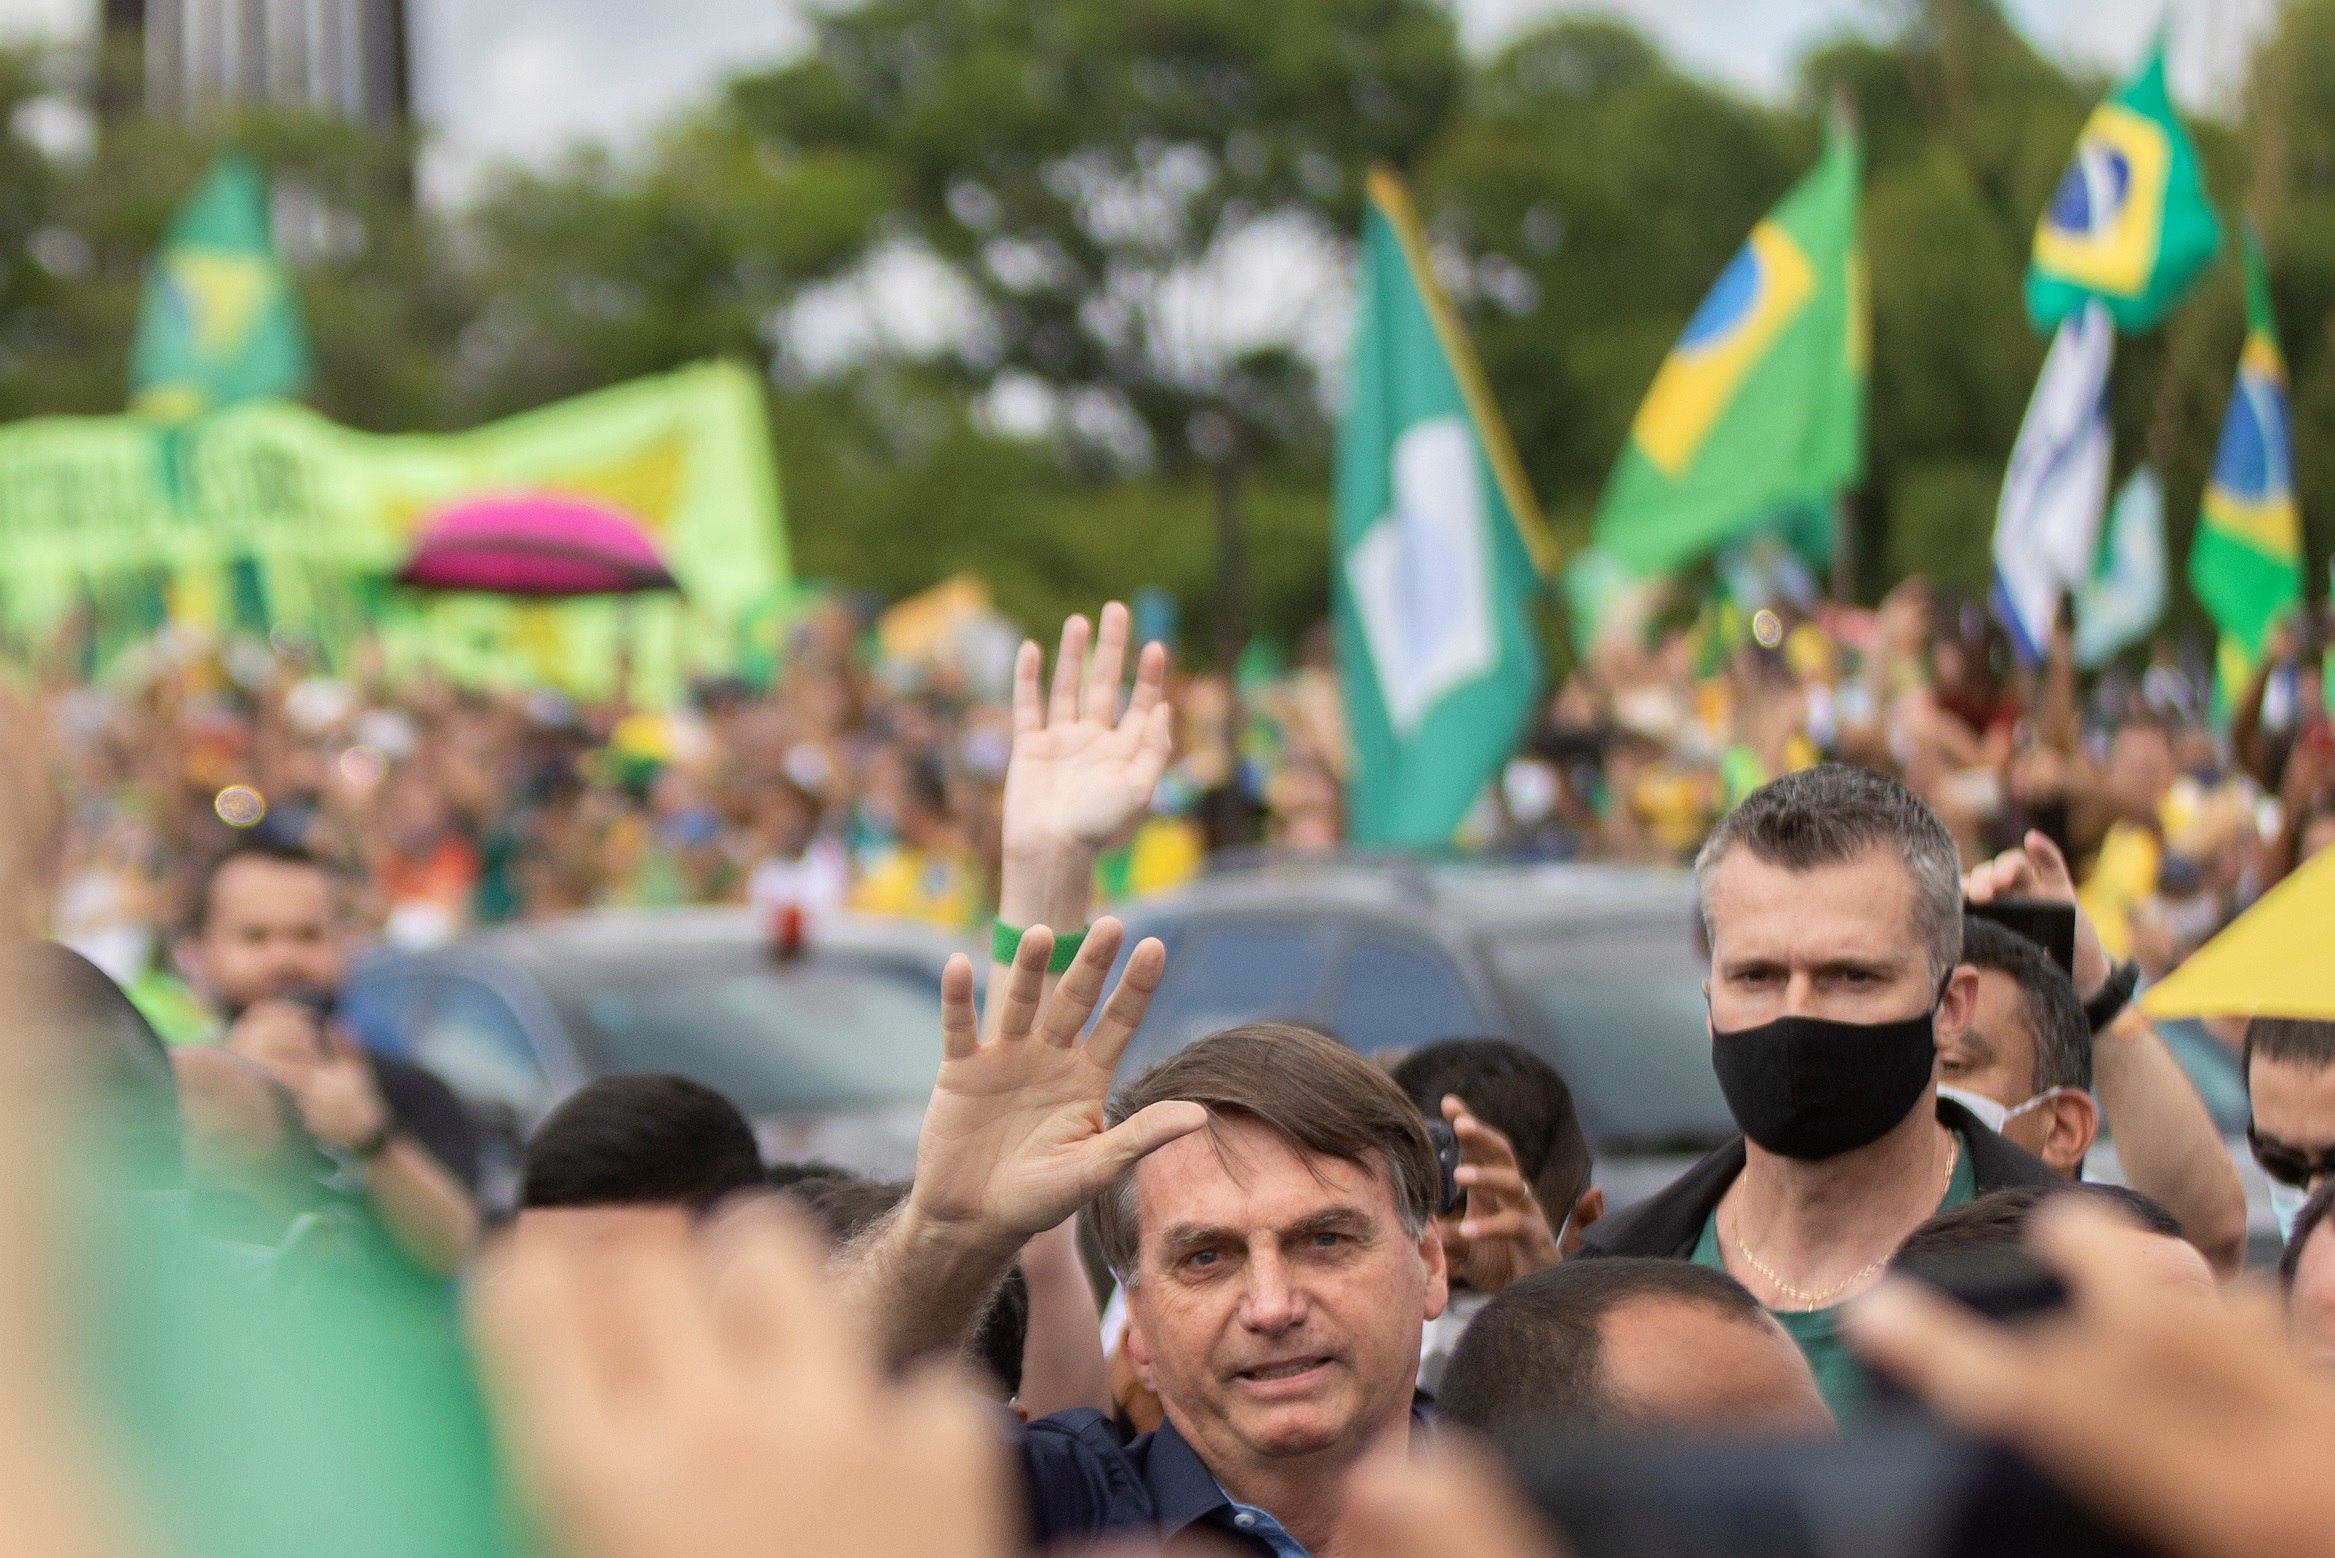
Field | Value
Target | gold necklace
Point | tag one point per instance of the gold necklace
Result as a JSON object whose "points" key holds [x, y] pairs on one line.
{"points": [[1806, 1300]]}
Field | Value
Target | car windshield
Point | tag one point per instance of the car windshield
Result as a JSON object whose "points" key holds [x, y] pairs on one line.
{"points": [[776, 1038], [1623, 1005]]}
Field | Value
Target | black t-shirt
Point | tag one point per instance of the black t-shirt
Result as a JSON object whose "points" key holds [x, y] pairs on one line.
{"points": [[426, 1110]]}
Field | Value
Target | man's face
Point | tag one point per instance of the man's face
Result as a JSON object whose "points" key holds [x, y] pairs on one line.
{"points": [[271, 931], [1678, 1365], [2310, 1308], [1837, 942], [2140, 759], [1279, 1302], [2293, 1103], [1995, 1056]]}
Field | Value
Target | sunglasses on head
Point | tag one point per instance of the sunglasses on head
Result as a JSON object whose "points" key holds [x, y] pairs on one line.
{"points": [[2288, 1164]]}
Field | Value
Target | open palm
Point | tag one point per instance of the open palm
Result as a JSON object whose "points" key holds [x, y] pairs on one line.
{"points": [[1014, 1139], [1082, 769]]}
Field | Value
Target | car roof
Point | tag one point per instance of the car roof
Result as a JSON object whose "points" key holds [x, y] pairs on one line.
{"points": [[1468, 896], [605, 935]]}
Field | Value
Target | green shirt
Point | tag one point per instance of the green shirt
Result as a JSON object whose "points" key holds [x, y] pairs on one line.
{"points": [[1839, 1377]]}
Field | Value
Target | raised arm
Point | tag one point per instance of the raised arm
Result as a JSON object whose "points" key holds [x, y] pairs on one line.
{"points": [[1081, 772], [2164, 1137], [1013, 1141]]}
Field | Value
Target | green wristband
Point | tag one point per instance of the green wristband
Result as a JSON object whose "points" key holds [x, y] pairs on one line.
{"points": [[1006, 940]]}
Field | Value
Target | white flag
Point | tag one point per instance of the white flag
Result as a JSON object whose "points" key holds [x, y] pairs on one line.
{"points": [[2125, 597], [2048, 523]]}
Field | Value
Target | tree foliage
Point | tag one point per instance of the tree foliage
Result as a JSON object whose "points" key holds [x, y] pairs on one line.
{"points": [[1065, 169]]}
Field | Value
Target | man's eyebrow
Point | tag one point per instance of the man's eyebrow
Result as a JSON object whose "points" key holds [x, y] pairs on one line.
{"points": [[1334, 1219], [1857, 965], [1194, 1236]]}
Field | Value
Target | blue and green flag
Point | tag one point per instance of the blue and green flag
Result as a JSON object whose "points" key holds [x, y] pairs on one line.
{"points": [[2129, 223], [219, 322], [1435, 576], [2246, 560], [1759, 410]]}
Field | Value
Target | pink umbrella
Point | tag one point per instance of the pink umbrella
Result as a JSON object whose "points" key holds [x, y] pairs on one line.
{"points": [[536, 544]]}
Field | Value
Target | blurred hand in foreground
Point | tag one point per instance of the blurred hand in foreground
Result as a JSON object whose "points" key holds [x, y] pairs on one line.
{"points": [[1454, 1501], [676, 1392], [1501, 1235], [2194, 1423]]}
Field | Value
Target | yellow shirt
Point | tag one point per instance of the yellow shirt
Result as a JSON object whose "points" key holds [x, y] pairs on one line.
{"points": [[912, 885], [2124, 875]]}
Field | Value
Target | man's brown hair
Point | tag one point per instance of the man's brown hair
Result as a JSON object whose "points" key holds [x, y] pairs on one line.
{"points": [[1304, 1086]]}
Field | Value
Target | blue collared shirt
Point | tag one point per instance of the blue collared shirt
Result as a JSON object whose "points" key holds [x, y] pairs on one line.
{"points": [[1084, 1482]]}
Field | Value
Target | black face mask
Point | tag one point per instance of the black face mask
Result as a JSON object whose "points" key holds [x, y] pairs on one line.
{"points": [[1807, 1087]]}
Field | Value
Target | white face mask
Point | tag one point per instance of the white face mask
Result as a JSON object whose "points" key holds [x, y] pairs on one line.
{"points": [[1994, 1116], [2286, 1204]]}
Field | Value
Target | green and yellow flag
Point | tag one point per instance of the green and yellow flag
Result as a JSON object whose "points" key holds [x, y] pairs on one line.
{"points": [[2246, 561], [1437, 537], [2129, 223], [1759, 410], [219, 322]]}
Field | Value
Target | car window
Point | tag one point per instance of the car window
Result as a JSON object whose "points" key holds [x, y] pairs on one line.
{"points": [[1623, 1007], [383, 1010], [1398, 994], [1235, 971], [477, 1046], [775, 1038]]}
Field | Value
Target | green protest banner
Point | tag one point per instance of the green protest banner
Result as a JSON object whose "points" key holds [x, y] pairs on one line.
{"points": [[268, 508]]}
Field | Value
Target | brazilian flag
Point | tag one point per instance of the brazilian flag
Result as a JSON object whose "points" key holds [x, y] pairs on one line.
{"points": [[2129, 223], [1758, 413], [2246, 560], [219, 321]]}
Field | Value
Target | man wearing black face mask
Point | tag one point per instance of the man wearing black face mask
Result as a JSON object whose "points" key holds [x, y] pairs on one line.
{"points": [[1833, 902]]}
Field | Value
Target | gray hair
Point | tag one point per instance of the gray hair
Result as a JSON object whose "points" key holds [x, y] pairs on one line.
{"points": [[1832, 814]]}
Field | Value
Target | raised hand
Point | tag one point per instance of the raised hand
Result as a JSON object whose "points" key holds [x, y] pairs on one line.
{"points": [[1082, 770], [1014, 1139], [1501, 1235], [2037, 870]]}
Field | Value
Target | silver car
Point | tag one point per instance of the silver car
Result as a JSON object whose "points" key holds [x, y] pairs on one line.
{"points": [[830, 1046]]}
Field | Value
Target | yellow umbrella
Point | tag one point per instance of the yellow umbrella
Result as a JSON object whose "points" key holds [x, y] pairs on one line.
{"points": [[2275, 960]]}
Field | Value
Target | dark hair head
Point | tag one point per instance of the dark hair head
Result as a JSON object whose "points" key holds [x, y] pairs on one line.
{"points": [[2306, 1223], [847, 1206], [1533, 1358], [1835, 813], [2298, 1041], [1516, 1093], [640, 1140], [1302, 1085], [1998, 1221], [61, 1007], [255, 845], [2063, 1035]]}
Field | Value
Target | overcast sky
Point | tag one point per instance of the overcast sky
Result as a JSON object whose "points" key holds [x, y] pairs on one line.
{"points": [[521, 79]]}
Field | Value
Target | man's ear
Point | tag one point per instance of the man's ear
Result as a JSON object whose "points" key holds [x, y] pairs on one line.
{"points": [[1958, 1007], [2075, 1120], [1588, 1207], [1438, 1261], [1133, 1339]]}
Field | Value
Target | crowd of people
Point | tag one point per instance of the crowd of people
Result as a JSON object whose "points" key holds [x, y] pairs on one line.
{"points": [[1269, 1293]]}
